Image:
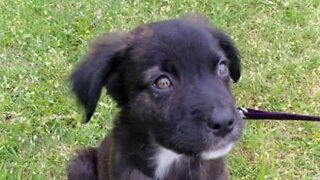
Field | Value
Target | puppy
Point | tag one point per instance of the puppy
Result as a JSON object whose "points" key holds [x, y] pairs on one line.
{"points": [[177, 119]]}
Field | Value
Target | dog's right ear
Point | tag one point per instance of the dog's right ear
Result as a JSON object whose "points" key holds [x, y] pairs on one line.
{"points": [[99, 65]]}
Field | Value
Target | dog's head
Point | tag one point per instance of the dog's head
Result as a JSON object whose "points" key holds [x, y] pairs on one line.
{"points": [[171, 80]]}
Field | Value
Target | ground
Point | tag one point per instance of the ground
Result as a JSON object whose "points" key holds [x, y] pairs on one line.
{"points": [[41, 41]]}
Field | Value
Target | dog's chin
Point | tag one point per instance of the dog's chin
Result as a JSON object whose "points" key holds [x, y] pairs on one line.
{"points": [[208, 154], [216, 152]]}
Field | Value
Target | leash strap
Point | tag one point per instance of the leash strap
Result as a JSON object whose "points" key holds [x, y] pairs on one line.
{"points": [[247, 113]]}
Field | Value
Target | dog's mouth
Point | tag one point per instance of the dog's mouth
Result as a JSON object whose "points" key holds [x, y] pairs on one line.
{"points": [[196, 141], [216, 152], [210, 152]]}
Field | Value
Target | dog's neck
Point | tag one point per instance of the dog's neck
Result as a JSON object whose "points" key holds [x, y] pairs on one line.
{"points": [[170, 165], [164, 159], [137, 153]]}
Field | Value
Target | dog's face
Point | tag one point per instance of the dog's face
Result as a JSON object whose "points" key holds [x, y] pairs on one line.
{"points": [[171, 80]]}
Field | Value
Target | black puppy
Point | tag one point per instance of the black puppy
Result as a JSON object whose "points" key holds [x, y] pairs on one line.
{"points": [[178, 118]]}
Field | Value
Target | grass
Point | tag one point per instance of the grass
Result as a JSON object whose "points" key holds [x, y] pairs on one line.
{"points": [[40, 42]]}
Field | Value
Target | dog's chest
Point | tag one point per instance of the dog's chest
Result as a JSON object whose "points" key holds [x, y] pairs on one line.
{"points": [[164, 161]]}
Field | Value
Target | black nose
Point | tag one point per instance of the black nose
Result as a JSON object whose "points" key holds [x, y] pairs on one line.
{"points": [[221, 123]]}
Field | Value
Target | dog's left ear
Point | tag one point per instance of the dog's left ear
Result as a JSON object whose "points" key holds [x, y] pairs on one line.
{"points": [[99, 69], [225, 43], [231, 52]]}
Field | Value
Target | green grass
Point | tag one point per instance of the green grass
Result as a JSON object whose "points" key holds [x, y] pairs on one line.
{"points": [[41, 41]]}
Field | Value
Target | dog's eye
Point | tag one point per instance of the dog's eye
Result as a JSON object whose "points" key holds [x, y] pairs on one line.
{"points": [[222, 69], [162, 83]]}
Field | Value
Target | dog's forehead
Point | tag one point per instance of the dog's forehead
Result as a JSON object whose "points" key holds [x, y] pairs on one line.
{"points": [[180, 41], [183, 35]]}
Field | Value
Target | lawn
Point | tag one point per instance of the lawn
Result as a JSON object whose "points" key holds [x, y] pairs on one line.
{"points": [[41, 41]]}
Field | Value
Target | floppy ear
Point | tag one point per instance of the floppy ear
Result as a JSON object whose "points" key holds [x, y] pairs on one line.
{"points": [[99, 69], [231, 52]]}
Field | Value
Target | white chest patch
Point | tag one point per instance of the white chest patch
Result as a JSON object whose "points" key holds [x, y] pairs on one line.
{"points": [[164, 159], [214, 154]]}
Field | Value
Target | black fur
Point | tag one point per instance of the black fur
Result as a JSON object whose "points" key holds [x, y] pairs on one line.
{"points": [[84, 165], [196, 113]]}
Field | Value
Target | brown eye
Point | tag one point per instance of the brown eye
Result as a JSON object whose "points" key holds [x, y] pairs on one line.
{"points": [[163, 83], [222, 69]]}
